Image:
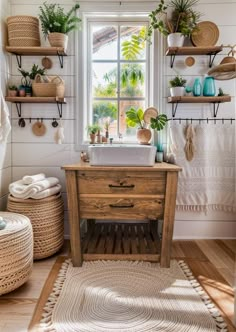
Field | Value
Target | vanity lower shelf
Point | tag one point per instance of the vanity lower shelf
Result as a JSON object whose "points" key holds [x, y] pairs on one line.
{"points": [[216, 101], [122, 241]]}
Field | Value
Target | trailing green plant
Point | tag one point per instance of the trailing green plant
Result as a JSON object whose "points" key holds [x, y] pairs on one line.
{"points": [[183, 18], [54, 19], [134, 118], [159, 122], [93, 129], [177, 81], [12, 87]]}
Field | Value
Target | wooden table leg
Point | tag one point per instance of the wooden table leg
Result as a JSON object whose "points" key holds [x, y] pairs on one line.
{"points": [[169, 217], [73, 205]]}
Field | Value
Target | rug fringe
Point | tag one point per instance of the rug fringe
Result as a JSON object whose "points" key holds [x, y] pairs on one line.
{"points": [[45, 324], [221, 326]]}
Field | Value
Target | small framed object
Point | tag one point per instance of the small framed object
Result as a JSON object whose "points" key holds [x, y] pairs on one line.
{"points": [[190, 61], [47, 63]]}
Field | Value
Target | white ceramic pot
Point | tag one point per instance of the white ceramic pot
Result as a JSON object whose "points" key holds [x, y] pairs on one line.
{"points": [[177, 91], [175, 39]]}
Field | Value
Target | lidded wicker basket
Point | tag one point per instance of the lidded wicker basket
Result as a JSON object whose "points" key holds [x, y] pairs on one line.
{"points": [[47, 219], [23, 31], [43, 89]]}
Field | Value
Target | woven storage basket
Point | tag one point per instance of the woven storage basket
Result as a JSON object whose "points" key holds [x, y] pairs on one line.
{"points": [[47, 218], [41, 89], [16, 251], [23, 31], [60, 85]]}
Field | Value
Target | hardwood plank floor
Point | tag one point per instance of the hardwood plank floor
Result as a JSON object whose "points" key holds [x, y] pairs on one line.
{"points": [[212, 261]]}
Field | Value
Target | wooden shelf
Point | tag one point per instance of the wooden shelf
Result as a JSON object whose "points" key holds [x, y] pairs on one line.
{"points": [[30, 51], [191, 50], [216, 100], [121, 242], [51, 100], [37, 100]]}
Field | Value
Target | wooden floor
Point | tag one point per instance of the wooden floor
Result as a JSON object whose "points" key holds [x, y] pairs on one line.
{"points": [[212, 261]]}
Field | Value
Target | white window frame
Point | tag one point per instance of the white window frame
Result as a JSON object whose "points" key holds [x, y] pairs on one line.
{"points": [[112, 12]]}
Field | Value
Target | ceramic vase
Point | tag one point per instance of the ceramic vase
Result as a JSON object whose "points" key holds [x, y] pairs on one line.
{"points": [[144, 136], [209, 89], [197, 87]]}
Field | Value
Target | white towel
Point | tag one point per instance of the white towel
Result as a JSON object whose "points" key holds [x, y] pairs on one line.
{"points": [[20, 190], [5, 125], [47, 192], [29, 179]]}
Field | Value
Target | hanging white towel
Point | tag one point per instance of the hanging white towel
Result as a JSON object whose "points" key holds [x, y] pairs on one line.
{"points": [[59, 135], [5, 125], [29, 179], [20, 190]]}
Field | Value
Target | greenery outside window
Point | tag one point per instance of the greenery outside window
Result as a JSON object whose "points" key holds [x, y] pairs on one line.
{"points": [[117, 74]]}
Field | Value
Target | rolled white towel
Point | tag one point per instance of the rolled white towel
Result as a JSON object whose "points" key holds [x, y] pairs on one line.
{"points": [[28, 179], [20, 190], [47, 192]]}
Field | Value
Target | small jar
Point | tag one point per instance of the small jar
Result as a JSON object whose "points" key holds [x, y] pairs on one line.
{"points": [[160, 156], [22, 93], [197, 87]]}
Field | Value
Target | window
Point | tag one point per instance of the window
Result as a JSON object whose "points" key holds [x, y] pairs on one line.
{"points": [[117, 75]]}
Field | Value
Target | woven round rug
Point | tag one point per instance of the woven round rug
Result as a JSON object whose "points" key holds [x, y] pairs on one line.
{"points": [[128, 297]]}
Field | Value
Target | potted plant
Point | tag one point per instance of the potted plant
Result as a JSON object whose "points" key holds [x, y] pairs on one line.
{"points": [[177, 86], [27, 77], [93, 131], [12, 90], [56, 24], [134, 118], [181, 22]]}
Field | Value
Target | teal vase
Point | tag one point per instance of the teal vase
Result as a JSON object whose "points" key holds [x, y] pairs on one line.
{"points": [[209, 89], [197, 87]]}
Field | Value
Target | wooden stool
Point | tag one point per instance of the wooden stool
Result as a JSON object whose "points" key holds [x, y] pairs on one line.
{"points": [[16, 251]]}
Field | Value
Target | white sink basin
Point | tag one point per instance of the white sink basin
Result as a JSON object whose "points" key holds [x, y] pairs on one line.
{"points": [[122, 155]]}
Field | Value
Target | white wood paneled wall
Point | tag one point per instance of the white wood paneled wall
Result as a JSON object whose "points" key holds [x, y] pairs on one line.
{"points": [[31, 154], [5, 149]]}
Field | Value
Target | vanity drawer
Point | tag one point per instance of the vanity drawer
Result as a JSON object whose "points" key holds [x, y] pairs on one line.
{"points": [[128, 183], [120, 207]]}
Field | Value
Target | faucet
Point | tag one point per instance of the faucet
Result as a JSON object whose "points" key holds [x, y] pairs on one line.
{"points": [[120, 138]]}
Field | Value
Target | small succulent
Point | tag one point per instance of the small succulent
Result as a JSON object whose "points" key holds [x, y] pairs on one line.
{"points": [[177, 81], [12, 87]]}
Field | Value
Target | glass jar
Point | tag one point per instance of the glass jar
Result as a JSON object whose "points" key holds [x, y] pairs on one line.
{"points": [[209, 88], [197, 87]]}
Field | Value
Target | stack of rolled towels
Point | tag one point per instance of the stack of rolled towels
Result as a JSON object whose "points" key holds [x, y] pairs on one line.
{"points": [[35, 186]]}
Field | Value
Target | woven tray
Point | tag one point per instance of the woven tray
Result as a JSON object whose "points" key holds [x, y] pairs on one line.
{"points": [[16, 254], [207, 34], [47, 218]]}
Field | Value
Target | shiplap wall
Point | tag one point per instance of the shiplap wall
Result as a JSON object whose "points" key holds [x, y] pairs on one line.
{"points": [[5, 149], [31, 154]]}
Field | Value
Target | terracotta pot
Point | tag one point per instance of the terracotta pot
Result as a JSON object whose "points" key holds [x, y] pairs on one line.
{"points": [[144, 136], [92, 138], [57, 39], [12, 93]]}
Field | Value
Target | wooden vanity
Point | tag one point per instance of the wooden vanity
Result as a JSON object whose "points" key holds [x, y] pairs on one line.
{"points": [[122, 194]]}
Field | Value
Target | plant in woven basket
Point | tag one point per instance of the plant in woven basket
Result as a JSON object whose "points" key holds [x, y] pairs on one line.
{"points": [[55, 21]]}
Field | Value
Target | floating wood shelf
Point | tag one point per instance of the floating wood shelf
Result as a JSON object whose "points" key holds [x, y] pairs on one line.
{"points": [[211, 51], [29, 51], [38, 100], [216, 100], [122, 242]]}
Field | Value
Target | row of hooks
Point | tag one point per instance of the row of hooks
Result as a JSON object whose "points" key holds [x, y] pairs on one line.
{"points": [[22, 121], [203, 120]]}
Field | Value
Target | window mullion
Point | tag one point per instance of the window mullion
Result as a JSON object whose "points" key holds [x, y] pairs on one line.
{"points": [[118, 81]]}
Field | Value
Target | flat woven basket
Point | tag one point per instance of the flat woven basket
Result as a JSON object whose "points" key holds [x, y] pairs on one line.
{"points": [[16, 251], [47, 218], [23, 31]]}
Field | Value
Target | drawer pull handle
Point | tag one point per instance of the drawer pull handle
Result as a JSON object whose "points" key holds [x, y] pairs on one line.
{"points": [[121, 206], [121, 186]]}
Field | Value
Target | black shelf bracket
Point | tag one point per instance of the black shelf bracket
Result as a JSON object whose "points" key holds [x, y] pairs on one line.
{"points": [[59, 107], [172, 60], [174, 108], [18, 59], [215, 108], [212, 58], [61, 59], [18, 108]]}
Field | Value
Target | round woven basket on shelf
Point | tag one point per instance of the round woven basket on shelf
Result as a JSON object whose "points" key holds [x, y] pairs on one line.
{"points": [[47, 218], [23, 31], [16, 251]]}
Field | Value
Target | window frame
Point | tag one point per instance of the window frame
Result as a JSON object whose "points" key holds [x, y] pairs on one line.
{"points": [[113, 11]]}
